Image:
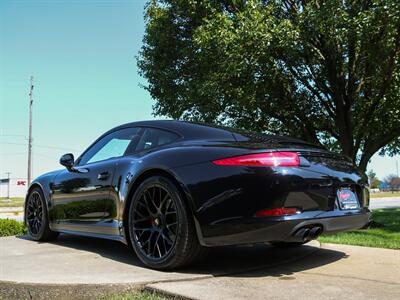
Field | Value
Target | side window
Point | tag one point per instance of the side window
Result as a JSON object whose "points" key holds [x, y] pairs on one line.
{"points": [[155, 137], [113, 145]]}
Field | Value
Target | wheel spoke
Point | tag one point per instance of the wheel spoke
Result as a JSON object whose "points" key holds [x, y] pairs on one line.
{"points": [[168, 239], [144, 228], [142, 219], [164, 200], [155, 244], [171, 224], [165, 246], [141, 234], [168, 204], [149, 244], [159, 251], [138, 212], [147, 204]]}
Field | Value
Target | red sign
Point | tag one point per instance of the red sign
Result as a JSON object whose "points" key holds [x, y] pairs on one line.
{"points": [[21, 182]]}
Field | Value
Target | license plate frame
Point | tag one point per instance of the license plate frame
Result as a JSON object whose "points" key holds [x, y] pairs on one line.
{"points": [[347, 199]]}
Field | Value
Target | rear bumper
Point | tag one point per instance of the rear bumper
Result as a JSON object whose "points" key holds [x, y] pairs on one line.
{"points": [[284, 229]]}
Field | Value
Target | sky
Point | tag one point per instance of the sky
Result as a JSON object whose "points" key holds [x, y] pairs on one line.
{"points": [[82, 56]]}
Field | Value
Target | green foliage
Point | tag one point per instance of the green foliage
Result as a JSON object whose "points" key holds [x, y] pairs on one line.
{"points": [[141, 295], [391, 194], [11, 227], [325, 71], [393, 182], [15, 202], [387, 236], [374, 181], [371, 174]]}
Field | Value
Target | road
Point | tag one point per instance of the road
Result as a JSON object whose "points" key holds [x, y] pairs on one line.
{"points": [[13, 213], [389, 202]]}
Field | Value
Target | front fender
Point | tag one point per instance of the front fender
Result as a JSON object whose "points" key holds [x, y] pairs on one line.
{"points": [[44, 182]]}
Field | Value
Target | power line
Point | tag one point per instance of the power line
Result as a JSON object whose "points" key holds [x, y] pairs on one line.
{"points": [[39, 146], [56, 148], [13, 135], [18, 144], [44, 155]]}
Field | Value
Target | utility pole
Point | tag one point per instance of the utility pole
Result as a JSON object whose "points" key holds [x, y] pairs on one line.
{"points": [[8, 185], [397, 167], [30, 133]]}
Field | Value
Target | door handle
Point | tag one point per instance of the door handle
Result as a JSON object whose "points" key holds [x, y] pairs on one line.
{"points": [[103, 175]]}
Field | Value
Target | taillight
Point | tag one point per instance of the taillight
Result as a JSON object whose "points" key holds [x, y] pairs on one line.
{"points": [[267, 159], [275, 212]]}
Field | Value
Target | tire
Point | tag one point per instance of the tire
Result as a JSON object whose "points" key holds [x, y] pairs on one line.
{"points": [[161, 228], [37, 217]]}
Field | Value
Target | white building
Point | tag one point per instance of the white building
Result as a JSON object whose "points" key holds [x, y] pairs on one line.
{"points": [[18, 187]]}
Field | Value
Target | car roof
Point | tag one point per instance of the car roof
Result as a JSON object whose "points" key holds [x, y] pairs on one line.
{"points": [[188, 130], [197, 130]]}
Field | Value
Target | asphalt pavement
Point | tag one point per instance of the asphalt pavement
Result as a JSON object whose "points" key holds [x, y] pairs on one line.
{"points": [[388, 202]]}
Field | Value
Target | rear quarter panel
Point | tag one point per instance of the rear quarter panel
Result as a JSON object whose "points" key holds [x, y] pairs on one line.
{"points": [[224, 195]]}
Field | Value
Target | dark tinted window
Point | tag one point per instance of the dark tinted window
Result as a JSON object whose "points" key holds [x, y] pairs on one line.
{"points": [[155, 137], [113, 145]]}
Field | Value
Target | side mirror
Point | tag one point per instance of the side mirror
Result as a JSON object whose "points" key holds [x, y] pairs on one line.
{"points": [[67, 160]]}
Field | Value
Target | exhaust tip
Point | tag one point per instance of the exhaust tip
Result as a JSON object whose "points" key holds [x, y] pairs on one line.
{"points": [[300, 233], [315, 232], [308, 233]]}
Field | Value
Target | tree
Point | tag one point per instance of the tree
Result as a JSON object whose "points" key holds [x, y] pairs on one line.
{"points": [[374, 181], [393, 182], [325, 71]]}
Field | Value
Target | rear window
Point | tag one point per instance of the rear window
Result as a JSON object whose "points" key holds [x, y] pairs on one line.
{"points": [[153, 137]]}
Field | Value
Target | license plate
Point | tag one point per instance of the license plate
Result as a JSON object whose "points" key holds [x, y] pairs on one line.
{"points": [[347, 199]]}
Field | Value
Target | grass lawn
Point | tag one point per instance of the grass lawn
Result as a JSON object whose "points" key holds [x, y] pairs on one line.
{"points": [[140, 295], [387, 236], [385, 194], [11, 227], [15, 202]]}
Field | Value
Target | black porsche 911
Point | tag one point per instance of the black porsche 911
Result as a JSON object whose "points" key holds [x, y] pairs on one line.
{"points": [[172, 189]]}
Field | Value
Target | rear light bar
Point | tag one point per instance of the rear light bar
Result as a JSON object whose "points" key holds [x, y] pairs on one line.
{"points": [[267, 159], [275, 212]]}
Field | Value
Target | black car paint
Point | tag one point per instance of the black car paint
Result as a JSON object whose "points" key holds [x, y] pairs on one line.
{"points": [[222, 199]]}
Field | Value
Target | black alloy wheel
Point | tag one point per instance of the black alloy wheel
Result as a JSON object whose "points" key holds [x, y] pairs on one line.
{"points": [[155, 222], [161, 228], [34, 213], [36, 217]]}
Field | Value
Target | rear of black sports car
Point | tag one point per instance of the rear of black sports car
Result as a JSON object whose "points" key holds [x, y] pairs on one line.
{"points": [[239, 187], [280, 191]]}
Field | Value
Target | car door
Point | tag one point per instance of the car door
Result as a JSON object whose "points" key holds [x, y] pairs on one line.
{"points": [[80, 196]]}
